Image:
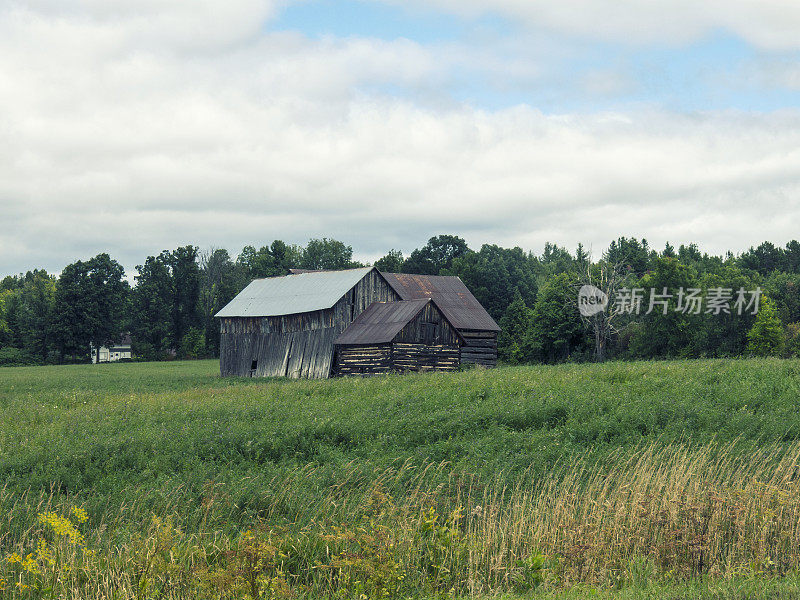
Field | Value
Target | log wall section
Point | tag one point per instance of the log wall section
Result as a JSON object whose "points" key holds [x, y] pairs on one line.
{"points": [[296, 345], [480, 347], [427, 343]]}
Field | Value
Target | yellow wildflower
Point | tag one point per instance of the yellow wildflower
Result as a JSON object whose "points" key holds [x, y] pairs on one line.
{"points": [[30, 565], [79, 514], [15, 558], [62, 526]]}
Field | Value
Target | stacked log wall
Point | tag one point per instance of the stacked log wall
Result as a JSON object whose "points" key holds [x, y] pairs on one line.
{"points": [[425, 357], [480, 347]]}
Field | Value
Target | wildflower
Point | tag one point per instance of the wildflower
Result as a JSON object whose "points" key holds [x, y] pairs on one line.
{"points": [[30, 565], [62, 526], [79, 514], [15, 558]]}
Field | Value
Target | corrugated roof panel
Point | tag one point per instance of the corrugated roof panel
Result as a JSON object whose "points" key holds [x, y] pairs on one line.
{"points": [[450, 294], [292, 294], [381, 322]]}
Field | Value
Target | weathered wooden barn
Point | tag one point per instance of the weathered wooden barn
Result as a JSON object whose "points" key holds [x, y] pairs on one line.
{"points": [[286, 326], [411, 335], [459, 306]]}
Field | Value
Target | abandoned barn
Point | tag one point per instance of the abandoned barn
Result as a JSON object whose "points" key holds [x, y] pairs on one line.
{"points": [[411, 335], [286, 326], [459, 306]]}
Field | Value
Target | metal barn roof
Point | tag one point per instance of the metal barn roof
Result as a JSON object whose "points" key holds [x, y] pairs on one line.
{"points": [[450, 294], [381, 322], [291, 294]]}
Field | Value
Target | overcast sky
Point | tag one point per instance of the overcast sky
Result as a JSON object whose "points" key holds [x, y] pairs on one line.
{"points": [[132, 127]]}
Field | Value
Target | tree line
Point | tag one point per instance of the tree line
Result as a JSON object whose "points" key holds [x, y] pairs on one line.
{"points": [[168, 311]]}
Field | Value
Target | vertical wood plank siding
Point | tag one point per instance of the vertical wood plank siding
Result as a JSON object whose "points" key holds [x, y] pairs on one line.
{"points": [[428, 327], [297, 345]]}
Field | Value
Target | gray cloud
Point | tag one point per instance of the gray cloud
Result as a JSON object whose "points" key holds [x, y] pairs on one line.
{"points": [[119, 138]]}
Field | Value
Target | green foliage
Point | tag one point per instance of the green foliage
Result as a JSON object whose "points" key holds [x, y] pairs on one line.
{"points": [[328, 255], [793, 340], [193, 344], [436, 256], [556, 331], [15, 357], [665, 331], [515, 327], [766, 338], [91, 305], [391, 263], [630, 253], [495, 275]]}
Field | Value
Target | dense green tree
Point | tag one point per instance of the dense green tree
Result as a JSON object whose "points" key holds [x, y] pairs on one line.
{"points": [[495, 274], [725, 333], [220, 280], [665, 328], [784, 290], [152, 307], [556, 331], [186, 293], [91, 306], [515, 328], [37, 303], [764, 259], [391, 263], [631, 253], [269, 261], [555, 260], [766, 337], [436, 256], [791, 261], [328, 255]]}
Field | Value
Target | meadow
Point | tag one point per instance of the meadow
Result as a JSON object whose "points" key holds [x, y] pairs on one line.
{"points": [[148, 480]]}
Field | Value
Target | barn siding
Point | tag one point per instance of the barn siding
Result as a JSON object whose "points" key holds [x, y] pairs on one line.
{"points": [[298, 345], [367, 359], [424, 357], [417, 332], [480, 347], [417, 347]]}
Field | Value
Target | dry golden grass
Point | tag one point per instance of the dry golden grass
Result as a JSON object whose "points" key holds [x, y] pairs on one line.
{"points": [[663, 513]]}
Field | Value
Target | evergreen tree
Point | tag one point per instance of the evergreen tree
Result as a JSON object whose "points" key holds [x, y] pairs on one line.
{"points": [[766, 337], [515, 329]]}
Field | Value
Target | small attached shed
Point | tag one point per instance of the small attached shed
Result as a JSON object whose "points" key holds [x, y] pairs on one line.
{"points": [[461, 308], [411, 335], [286, 326]]}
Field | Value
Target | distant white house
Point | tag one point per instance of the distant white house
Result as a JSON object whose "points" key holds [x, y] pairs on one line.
{"points": [[115, 353]]}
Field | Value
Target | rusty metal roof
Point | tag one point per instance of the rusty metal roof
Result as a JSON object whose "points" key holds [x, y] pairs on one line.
{"points": [[381, 322], [450, 294], [292, 294]]}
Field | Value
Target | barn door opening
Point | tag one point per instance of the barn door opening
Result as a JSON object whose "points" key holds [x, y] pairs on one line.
{"points": [[253, 367]]}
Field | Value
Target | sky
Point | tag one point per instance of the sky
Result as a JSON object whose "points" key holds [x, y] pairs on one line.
{"points": [[133, 127]]}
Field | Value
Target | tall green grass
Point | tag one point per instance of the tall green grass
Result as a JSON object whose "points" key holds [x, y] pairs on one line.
{"points": [[218, 456]]}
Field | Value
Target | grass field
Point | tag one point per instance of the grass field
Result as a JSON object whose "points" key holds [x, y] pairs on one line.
{"points": [[622, 478]]}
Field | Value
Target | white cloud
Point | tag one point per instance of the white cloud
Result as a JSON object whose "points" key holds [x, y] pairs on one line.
{"points": [[112, 143], [770, 24]]}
